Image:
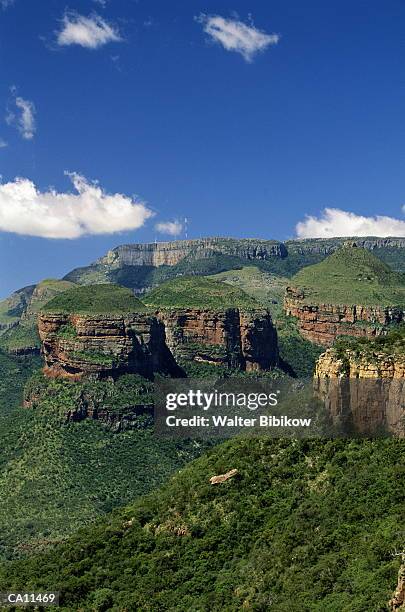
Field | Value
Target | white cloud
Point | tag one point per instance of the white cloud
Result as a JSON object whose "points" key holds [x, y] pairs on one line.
{"points": [[26, 121], [335, 222], [26, 210], [236, 36], [173, 228], [89, 32], [24, 117], [3, 143], [6, 3], [102, 3]]}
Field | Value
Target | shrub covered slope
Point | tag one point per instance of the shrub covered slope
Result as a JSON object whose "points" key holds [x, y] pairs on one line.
{"points": [[304, 526]]}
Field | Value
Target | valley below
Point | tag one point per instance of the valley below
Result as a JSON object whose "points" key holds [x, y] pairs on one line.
{"points": [[96, 505]]}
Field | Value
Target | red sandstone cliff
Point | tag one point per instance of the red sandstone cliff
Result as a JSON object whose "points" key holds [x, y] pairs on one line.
{"points": [[240, 339], [322, 323], [107, 345], [103, 345]]}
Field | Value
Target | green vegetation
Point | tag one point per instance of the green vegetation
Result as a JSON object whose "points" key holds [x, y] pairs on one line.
{"points": [[89, 275], [199, 292], [14, 373], [351, 275], [21, 338], [301, 253], [141, 278], [96, 299], [67, 331], [394, 257], [60, 476], [12, 307], [94, 357], [305, 525], [59, 395], [297, 355], [44, 292], [391, 344], [23, 335], [265, 287], [192, 265], [201, 370]]}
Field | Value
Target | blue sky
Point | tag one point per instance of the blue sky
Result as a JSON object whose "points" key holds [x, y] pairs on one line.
{"points": [[241, 142]]}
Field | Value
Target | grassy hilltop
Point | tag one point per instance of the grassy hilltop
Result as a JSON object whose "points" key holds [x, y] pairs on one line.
{"points": [[199, 292], [351, 275], [96, 299]]}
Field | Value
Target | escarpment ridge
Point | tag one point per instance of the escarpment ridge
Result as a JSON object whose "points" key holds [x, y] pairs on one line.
{"points": [[172, 252], [143, 266]]}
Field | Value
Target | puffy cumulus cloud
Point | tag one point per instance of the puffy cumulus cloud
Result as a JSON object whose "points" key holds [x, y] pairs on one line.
{"points": [[173, 228], [26, 210], [236, 36], [335, 222], [23, 117], [89, 32]]}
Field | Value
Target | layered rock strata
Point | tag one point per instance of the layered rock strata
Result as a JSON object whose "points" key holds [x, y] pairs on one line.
{"points": [[241, 339], [171, 253], [326, 246], [323, 323], [100, 346], [365, 393]]}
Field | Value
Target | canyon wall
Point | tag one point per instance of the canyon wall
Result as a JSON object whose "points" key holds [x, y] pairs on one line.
{"points": [[322, 323], [240, 339], [77, 346], [99, 346], [363, 392]]}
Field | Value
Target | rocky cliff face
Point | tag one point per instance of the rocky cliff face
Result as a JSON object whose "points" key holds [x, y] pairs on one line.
{"points": [[171, 253], [116, 422], [245, 340], [323, 323], [100, 346], [364, 392], [326, 246], [397, 603]]}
